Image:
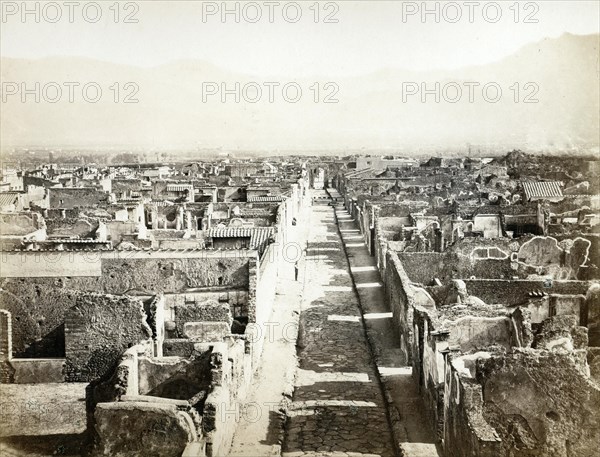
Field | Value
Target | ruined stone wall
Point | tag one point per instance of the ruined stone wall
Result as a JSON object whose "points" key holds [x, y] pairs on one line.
{"points": [[98, 329], [516, 292], [400, 296], [38, 312], [466, 432], [209, 311], [19, 223], [261, 296], [6, 370], [423, 267], [68, 227], [537, 398], [428, 366], [236, 299], [120, 186], [223, 409], [542, 404], [381, 245], [466, 334], [526, 258], [40, 303], [76, 197], [152, 429], [37, 371]]}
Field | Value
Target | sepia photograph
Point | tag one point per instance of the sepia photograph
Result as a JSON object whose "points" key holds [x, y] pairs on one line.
{"points": [[312, 228]]}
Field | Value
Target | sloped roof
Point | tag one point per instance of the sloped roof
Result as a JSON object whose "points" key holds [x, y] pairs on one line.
{"points": [[8, 198], [539, 189], [179, 187], [258, 235], [267, 198]]}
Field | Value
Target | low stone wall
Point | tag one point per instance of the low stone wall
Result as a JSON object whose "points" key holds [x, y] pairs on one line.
{"points": [[150, 427], [38, 371]]}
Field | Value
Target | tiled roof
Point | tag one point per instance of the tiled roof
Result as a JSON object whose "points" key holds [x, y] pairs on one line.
{"points": [[267, 198], [230, 232], [179, 187], [162, 203], [541, 189], [68, 241], [8, 198], [258, 235]]}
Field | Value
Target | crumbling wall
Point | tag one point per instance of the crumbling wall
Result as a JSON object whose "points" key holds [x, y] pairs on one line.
{"points": [[20, 223], [175, 377], [530, 257], [541, 403], [422, 267], [267, 273], [153, 429], [462, 331], [466, 432], [37, 371], [209, 311], [400, 296], [537, 399], [72, 227], [38, 312], [231, 378], [172, 275], [73, 197], [517, 292], [38, 303], [98, 329]]}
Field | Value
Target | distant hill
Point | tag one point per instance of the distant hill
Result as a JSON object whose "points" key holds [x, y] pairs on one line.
{"points": [[370, 114]]}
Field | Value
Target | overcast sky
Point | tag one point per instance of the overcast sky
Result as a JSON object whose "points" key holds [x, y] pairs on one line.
{"points": [[368, 35]]}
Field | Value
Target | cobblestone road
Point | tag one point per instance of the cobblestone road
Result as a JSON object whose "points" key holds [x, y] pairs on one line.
{"points": [[337, 407], [413, 432]]}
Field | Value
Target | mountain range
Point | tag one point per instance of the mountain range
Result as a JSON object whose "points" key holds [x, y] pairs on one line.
{"points": [[558, 77]]}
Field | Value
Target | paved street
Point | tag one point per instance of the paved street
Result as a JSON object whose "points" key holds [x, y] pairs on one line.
{"points": [[337, 406], [412, 429]]}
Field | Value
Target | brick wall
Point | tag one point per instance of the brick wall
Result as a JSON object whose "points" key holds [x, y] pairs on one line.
{"points": [[97, 331]]}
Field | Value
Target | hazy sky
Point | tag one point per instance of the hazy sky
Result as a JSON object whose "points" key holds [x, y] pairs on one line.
{"points": [[368, 35]]}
